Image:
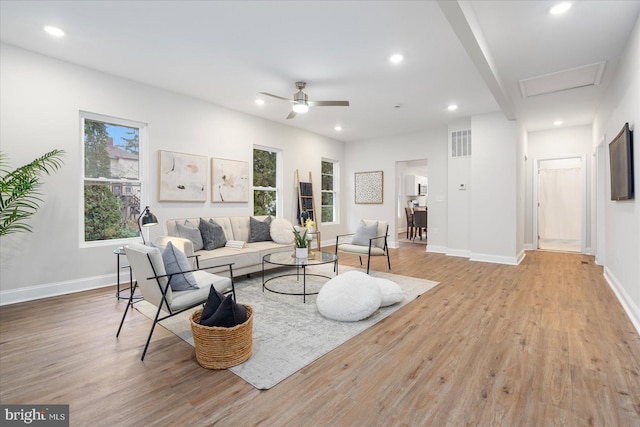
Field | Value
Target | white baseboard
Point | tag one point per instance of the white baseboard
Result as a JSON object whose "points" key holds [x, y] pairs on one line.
{"points": [[436, 249], [47, 290], [627, 303], [496, 259], [463, 253], [521, 255]]}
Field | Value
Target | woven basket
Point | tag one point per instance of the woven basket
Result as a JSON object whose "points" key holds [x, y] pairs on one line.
{"points": [[221, 348]]}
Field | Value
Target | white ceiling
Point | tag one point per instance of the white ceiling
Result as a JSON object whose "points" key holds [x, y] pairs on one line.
{"points": [[226, 52]]}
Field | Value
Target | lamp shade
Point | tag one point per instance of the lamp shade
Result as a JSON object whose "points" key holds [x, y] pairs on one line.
{"points": [[149, 219], [146, 219]]}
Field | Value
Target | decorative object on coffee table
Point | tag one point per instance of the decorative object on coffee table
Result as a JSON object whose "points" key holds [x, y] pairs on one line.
{"points": [[301, 243]]}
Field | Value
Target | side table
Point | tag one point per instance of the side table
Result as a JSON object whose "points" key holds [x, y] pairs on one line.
{"points": [[120, 252]]}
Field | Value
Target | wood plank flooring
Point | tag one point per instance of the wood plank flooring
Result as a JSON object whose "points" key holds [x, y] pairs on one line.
{"points": [[544, 343]]}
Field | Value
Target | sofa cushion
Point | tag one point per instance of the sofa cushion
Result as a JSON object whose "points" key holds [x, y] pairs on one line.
{"points": [[227, 315], [259, 231], [212, 235], [175, 261], [282, 231], [364, 233], [191, 232]]}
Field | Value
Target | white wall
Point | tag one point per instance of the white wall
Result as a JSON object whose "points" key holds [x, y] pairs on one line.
{"points": [[521, 188], [39, 111], [494, 195], [551, 143], [382, 154], [622, 219], [459, 203]]}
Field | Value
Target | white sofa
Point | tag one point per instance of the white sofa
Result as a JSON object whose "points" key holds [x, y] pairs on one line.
{"points": [[246, 260]]}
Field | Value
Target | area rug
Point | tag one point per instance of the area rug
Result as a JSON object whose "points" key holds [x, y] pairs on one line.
{"points": [[287, 333]]}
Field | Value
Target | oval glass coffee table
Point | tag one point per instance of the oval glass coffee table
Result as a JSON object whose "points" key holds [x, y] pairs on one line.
{"points": [[287, 259]]}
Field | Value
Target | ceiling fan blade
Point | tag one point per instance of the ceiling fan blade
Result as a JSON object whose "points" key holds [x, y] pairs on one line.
{"points": [[276, 96], [291, 115], [328, 103]]}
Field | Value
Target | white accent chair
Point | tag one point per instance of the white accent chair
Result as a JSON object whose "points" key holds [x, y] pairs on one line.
{"points": [[377, 245], [148, 268]]}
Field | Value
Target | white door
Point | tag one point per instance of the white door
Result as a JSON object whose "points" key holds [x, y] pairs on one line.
{"points": [[560, 204]]}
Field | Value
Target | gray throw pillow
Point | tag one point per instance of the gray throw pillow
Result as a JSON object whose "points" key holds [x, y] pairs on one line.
{"points": [[191, 232], [212, 235], [175, 261], [260, 231], [364, 233]]}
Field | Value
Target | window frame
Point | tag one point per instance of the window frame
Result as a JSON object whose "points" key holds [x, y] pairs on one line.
{"points": [[279, 179], [336, 182], [143, 174]]}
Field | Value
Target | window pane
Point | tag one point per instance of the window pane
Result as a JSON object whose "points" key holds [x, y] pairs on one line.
{"points": [[111, 210], [110, 151], [327, 167], [264, 202], [327, 214], [264, 168], [327, 182], [327, 199]]}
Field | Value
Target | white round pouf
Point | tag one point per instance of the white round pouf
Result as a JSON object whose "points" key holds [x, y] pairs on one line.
{"points": [[349, 297], [391, 292]]}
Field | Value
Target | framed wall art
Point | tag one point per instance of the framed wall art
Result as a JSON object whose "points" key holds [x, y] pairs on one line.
{"points": [[182, 177], [229, 181], [369, 187]]}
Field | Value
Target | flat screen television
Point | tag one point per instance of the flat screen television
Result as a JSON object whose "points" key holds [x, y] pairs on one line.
{"points": [[621, 165]]}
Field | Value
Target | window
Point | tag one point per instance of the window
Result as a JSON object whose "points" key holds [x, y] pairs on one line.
{"points": [[112, 183], [329, 184], [266, 177]]}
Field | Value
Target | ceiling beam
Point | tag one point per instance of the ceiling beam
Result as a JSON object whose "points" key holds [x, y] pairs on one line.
{"points": [[464, 23]]}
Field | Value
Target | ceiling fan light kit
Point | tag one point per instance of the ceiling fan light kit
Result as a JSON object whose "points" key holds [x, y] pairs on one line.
{"points": [[301, 102]]}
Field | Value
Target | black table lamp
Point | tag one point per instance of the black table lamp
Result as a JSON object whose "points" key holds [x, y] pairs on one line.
{"points": [[146, 219]]}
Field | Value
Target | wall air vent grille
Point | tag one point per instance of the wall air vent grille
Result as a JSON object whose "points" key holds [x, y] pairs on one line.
{"points": [[461, 143]]}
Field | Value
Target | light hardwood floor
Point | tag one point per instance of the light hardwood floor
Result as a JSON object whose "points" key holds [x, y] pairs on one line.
{"points": [[539, 344]]}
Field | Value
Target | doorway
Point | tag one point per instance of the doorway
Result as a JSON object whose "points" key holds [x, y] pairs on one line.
{"points": [[560, 204], [408, 195]]}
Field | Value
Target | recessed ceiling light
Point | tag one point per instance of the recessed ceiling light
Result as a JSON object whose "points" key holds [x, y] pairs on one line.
{"points": [[396, 58], [560, 8], [259, 101], [452, 107], [558, 122], [338, 128], [54, 31]]}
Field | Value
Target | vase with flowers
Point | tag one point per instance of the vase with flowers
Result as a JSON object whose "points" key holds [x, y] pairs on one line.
{"points": [[310, 225], [301, 243]]}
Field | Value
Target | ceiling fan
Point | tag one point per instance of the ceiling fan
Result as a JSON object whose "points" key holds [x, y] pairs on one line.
{"points": [[301, 103]]}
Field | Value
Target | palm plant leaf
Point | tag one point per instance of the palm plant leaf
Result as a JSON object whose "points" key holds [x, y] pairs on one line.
{"points": [[19, 195]]}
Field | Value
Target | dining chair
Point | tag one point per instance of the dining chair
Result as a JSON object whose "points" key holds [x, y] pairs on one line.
{"points": [[420, 222], [409, 213]]}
